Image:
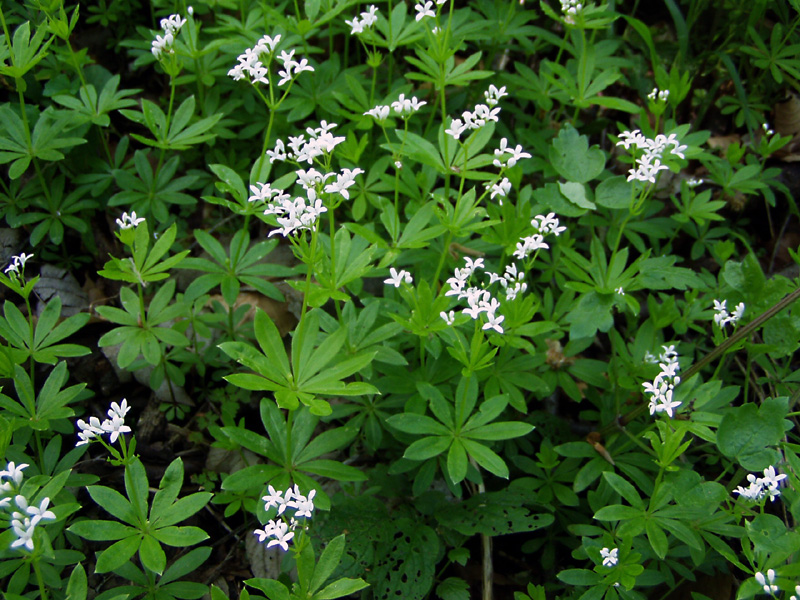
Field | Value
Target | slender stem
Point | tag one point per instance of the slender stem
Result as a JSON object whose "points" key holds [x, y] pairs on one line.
{"points": [[311, 260], [39, 579]]}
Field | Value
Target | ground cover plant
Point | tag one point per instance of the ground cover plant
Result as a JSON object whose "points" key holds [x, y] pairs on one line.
{"points": [[399, 300]]}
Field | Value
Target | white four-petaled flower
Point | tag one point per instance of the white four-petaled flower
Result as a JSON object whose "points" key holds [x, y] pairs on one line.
{"points": [[610, 557]]}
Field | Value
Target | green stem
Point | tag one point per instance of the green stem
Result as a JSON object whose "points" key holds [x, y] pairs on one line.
{"points": [[39, 579], [311, 260]]}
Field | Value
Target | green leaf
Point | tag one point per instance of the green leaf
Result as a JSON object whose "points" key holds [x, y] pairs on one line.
{"points": [[750, 433], [77, 587], [328, 561], [453, 588], [624, 489], [456, 461], [427, 447], [571, 157], [114, 502], [117, 554], [614, 192], [152, 555], [581, 577], [102, 531], [341, 587], [419, 424]]}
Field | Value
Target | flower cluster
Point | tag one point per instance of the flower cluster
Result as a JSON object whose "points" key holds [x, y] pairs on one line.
{"points": [[544, 225], [512, 281], [661, 95], [252, 67], [570, 8], [663, 386], [16, 268], [762, 486], [405, 107], [649, 163], [320, 141], [280, 530], [295, 215], [480, 115], [610, 557], [479, 300], [721, 315], [666, 353], [25, 519], [768, 582], [163, 45], [368, 19], [396, 278], [129, 221], [114, 425]]}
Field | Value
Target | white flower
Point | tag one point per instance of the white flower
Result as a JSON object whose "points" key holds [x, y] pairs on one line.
{"points": [[279, 153], [128, 222], [356, 26], [396, 278], [620, 291], [500, 189], [473, 264], [610, 557], [18, 264], [516, 153], [370, 16], [407, 106], [379, 113], [344, 180], [448, 318], [273, 498], [494, 322], [41, 513], [661, 389], [304, 505], [14, 473], [114, 427], [282, 536], [767, 583], [493, 94], [530, 244], [737, 313], [424, 10], [119, 410], [457, 127], [24, 529]]}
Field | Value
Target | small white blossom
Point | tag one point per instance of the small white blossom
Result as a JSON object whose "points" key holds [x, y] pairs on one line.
{"points": [[610, 557], [398, 277], [18, 264], [379, 113], [344, 180], [457, 127], [448, 318], [661, 389], [768, 582], [424, 10], [493, 95], [128, 222], [407, 106], [500, 189]]}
